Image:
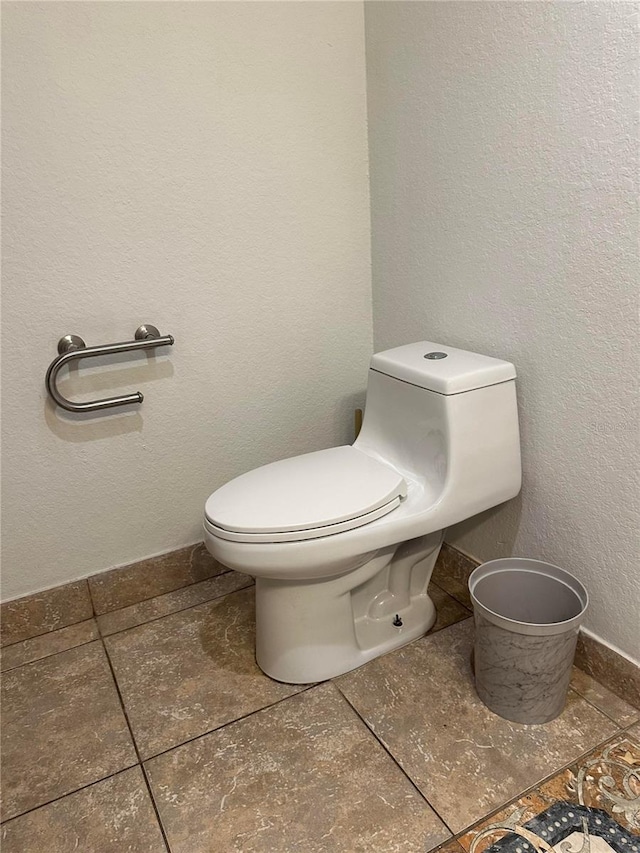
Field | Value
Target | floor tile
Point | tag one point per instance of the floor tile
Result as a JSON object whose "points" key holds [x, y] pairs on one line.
{"points": [[421, 702], [112, 816], [596, 782], [452, 571], [171, 602], [148, 578], [62, 728], [303, 776], [634, 731], [44, 611], [448, 610], [190, 672], [452, 846], [613, 706], [48, 644]]}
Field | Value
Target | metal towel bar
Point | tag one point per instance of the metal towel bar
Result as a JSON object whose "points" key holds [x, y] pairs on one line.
{"points": [[73, 348]]}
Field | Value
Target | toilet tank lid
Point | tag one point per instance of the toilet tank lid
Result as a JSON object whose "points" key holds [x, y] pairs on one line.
{"points": [[442, 368]]}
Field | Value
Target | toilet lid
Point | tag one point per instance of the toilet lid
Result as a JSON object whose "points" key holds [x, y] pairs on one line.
{"points": [[329, 487]]}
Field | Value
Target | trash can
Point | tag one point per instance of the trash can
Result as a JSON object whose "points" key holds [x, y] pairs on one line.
{"points": [[527, 616]]}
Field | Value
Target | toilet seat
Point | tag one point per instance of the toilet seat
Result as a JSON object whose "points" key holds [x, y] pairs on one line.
{"points": [[305, 497]]}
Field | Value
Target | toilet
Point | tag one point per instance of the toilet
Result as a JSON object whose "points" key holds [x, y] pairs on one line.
{"points": [[342, 542]]}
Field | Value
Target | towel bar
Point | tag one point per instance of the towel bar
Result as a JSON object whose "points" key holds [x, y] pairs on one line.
{"points": [[73, 348]]}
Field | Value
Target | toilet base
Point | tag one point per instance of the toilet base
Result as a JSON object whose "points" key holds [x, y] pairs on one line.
{"points": [[309, 631]]}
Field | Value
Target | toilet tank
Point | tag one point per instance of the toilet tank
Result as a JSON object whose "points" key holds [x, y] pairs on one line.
{"points": [[448, 420]]}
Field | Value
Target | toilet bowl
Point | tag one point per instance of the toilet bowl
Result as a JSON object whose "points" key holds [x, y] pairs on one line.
{"points": [[342, 542]]}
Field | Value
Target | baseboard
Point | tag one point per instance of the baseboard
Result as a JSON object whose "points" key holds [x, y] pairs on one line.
{"points": [[610, 667], [71, 603], [49, 610], [614, 649]]}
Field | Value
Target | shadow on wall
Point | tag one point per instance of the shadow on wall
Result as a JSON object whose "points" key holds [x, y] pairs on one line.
{"points": [[80, 427], [74, 427], [503, 520]]}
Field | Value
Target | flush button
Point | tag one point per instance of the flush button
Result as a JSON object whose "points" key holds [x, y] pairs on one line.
{"points": [[434, 355]]}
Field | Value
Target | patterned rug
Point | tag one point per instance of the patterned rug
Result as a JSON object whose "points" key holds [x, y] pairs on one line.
{"points": [[593, 807]]}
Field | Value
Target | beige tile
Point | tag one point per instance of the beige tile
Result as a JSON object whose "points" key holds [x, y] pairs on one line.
{"points": [[609, 668], [48, 644], [44, 611], [303, 776], [620, 711], [112, 816], [191, 672], [448, 610], [595, 781], [421, 702], [62, 728], [634, 732], [451, 573], [171, 602], [120, 588]]}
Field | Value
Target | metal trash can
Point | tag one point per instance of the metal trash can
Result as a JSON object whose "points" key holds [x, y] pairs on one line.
{"points": [[527, 616]]}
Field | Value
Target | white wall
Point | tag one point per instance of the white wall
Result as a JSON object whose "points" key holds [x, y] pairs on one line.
{"points": [[503, 150], [203, 167]]}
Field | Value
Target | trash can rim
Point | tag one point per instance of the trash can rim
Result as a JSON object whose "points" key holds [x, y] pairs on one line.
{"points": [[504, 564]]}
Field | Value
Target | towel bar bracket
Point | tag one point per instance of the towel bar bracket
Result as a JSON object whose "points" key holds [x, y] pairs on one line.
{"points": [[70, 343]]}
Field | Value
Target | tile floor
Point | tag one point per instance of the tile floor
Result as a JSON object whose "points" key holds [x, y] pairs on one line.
{"points": [[151, 729]]}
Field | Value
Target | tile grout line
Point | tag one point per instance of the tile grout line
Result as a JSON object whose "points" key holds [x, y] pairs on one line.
{"points": [[619, 695], [135, 745], [398, 765], [95, 614], [92, 617], [442, 588], [537, 785], [430, 633], [93, 604], [51, 655], [141, 762], [171, 612], [230, 722], [250, 713], [52, 631], [455, 837], [154, 805], [453, 595], [102, 636], [159, 595], [466, 558], [68, 794], [586, 699], [621, 730], [600, 711], [138, 763]]}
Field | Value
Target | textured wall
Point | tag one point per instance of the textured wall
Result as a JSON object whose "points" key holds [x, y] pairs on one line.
{"points": [[503, 150], [203, 167]]}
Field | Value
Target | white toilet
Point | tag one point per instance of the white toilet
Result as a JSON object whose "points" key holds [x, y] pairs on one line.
{"points": [[342, 542]]}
